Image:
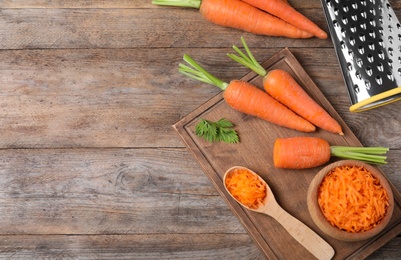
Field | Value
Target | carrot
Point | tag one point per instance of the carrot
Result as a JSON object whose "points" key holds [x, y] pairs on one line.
{"points": [[246, 188], [283, 87], [287, 13], [352, 199], [248, 99], [309, 152], [240, 15]]}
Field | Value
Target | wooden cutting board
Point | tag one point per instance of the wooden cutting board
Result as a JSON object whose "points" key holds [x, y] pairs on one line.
{"points": [[289, 186]]}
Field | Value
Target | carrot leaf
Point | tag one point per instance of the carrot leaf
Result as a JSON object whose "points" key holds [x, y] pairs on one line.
{"points": [[367, 154], [179, 3], [217, 131], [199, 73], [249, 60]]}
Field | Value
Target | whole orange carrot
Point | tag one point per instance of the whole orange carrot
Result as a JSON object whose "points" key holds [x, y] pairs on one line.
{"points": [[240, 15], [283, 87], [309, 152], [248, 99], [286, 12]]}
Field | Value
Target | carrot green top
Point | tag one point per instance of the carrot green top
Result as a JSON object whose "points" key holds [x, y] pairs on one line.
{"points": [[181, 3], [199, 73], [248, 61]]}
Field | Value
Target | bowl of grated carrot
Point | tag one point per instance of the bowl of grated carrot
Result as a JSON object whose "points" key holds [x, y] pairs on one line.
{"points": [[350, 200]]}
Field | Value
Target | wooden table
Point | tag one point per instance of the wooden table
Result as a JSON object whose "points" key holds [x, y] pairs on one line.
{"points": [[90, 166]]}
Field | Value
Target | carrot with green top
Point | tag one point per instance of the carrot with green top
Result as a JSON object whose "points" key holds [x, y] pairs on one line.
{"points": [[248, 99], [240, 15], [287, 13], [309, 152], [283, 87]]}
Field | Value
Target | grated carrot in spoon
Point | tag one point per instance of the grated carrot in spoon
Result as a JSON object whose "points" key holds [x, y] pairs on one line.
{"points": [[352, 199], [246, 188]]}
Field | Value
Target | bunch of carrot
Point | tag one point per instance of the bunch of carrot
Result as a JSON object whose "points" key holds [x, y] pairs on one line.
{"points": [[249, 99], [264, 17], [283, 87]]}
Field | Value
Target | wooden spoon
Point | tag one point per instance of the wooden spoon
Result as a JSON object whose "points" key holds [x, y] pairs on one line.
{"points": [[298, 230]]}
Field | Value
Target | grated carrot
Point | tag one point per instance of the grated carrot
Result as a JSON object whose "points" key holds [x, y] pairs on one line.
{"points": [[246, 188], [352, 199]]}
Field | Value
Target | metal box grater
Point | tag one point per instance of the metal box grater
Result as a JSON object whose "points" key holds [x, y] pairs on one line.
{"points": [[367, 39]]}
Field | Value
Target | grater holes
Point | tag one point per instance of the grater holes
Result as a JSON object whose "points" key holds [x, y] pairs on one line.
{"points": [[363, 26], [362, 37], [359, 62], [372, 22], [358, 75], [399, 71], [381, 31], [349, 66], [345, 8], [390, 51], [372, 34], [354, 5], [370, 58], [390, 39], [390, 76], [372, 11], [367, 84], [380, 53], [390, 28], [399, 61], [371, 46], [363, 2], [335, 24], [356, 88], [380, 67], [344, 20], [361, 49], [342, 44], [390, 63], [343, 32], [363, 14], [336, 11], [369, 71], [354, 17], [380, 41], [379, 80], [353, 28], [352, 40]]}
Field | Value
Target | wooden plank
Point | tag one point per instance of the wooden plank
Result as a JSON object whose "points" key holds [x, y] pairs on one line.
{"points": [[110, 191], [310, 4], [198, 246], [127, 28], [306, 4], [79, 98]]}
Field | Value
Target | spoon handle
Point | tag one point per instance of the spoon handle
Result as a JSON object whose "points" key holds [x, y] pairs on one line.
{"points": [[303, 234]]}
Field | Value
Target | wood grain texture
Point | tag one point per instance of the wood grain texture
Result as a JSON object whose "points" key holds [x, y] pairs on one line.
{"points": [[90, 167]]}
